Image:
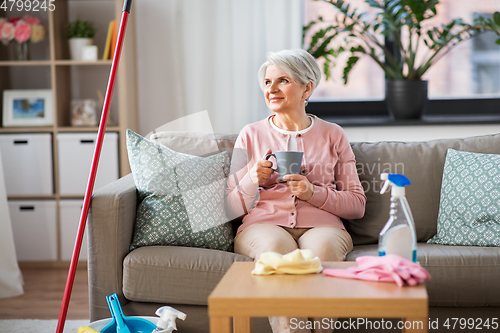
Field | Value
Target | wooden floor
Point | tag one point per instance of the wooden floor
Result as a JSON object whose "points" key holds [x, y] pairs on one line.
{"points": [[43, 293]]}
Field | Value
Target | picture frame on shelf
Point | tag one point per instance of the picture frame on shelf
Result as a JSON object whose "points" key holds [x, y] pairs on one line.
{"points": [[27, 108]]}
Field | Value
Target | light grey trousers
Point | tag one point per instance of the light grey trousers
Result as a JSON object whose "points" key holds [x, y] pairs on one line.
{"points": [[328, 243]]}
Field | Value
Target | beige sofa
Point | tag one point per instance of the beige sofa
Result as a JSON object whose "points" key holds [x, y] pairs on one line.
{"points": [[464, 279]]}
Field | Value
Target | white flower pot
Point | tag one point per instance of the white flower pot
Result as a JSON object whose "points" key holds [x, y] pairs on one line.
{"points": [[76, 45]]}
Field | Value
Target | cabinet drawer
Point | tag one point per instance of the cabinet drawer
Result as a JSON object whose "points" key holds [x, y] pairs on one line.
{"points": [[75, 158], [69, 217], [34, 228], [27, 163]]}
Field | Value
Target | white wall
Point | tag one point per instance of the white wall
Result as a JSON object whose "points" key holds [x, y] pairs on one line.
{"points": [[196, 55], [158, 29], [155, 22]]}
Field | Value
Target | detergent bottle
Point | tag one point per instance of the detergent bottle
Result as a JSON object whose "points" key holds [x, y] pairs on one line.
{"points": [[168, 315], [398, 235]]}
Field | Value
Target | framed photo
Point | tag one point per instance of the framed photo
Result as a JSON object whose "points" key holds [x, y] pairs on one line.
{"points": [[84, 112], [27, 108]]}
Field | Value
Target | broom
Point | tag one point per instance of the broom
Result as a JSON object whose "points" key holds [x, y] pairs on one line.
{"points": [[93, 169]]}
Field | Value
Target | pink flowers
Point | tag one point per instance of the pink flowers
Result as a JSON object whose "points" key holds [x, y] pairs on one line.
{"points": [[7, 30], [31, 20], [21, 29]]}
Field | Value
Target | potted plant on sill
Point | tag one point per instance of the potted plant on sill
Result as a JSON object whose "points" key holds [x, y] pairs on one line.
{"points": [[357, 33], [80, 34]]}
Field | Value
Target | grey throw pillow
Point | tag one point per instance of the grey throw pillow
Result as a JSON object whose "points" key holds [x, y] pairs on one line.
{"points": [[181, 197], [198, 144], [422, 163], [469, 209]]}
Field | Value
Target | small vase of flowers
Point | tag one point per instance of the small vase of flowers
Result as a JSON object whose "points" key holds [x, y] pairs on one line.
{"points": [[21, 30]]}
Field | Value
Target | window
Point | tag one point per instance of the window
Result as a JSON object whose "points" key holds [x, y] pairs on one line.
{"points": [[471, 70], [485, 62], [366, 81]]}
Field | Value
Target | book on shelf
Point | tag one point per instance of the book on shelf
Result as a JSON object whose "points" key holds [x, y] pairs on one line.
{"points": [[114, 36], [107, 47]]}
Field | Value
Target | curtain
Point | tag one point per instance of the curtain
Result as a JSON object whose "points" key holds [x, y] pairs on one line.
{"points": [[196, 55], [11, 279]]}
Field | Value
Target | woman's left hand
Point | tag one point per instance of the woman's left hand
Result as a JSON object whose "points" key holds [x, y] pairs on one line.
{"points": [[300, 186]]}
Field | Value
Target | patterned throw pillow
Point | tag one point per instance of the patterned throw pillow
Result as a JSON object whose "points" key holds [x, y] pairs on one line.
{"points": [[469, 209], [181, 197]]}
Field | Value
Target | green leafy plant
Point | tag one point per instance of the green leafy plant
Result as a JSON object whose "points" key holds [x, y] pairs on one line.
{"points": [[357, 33], [80, 29]]}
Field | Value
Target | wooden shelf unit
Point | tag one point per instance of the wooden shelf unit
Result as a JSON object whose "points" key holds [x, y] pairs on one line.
{"points": [[62, 72]]}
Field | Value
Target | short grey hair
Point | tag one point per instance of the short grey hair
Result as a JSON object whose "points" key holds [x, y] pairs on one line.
{"points": [[298, 64]]}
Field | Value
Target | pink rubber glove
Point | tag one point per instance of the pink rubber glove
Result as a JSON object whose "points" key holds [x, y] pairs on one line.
{"points": [[389, 268]]}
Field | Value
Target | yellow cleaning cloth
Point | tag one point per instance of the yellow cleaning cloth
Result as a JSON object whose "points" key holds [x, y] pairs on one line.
{"points": [[86, 329], [295, 262]]}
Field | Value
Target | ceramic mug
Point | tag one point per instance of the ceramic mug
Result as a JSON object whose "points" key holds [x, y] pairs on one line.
{"points": [[287, 162]]}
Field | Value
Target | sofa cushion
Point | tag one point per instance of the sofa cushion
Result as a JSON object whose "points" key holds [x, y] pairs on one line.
{"points": [[460, 275], [178, 275], [469, 209], [198, 144], [181, 197], [411, 158], [422, 163]]}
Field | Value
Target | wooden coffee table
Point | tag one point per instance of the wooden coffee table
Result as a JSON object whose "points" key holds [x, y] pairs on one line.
{"points": [[241, 296]]}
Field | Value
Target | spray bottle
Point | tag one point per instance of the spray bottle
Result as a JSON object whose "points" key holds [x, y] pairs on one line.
{"points": [[168, 315], [398, 235]]}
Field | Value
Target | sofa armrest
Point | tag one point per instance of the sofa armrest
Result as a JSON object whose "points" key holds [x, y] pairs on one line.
{"points": [[110, 230]]}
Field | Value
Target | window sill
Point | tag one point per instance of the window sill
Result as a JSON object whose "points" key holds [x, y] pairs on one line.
{"points": [[436, 120], [439, 112]]}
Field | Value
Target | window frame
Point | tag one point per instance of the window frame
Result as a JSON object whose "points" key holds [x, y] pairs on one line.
{"points": [[438, 111]]}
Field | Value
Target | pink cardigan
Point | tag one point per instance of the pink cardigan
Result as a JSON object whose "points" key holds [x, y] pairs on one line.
{"points": [[328, 163]]}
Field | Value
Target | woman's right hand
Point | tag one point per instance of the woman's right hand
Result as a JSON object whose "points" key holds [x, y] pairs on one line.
{"points": [[261, 171]]}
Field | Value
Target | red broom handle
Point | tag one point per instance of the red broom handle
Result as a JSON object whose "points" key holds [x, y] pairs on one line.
{"points": [[93, 171]]}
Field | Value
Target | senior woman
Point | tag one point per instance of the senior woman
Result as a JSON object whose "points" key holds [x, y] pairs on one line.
{"points": [[305, 211]]}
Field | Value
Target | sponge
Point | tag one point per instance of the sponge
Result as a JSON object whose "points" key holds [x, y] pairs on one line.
{"points": [[86, 329]]}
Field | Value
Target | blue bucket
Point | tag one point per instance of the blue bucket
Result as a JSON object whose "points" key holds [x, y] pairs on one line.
{"points": [[123, 324]]}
